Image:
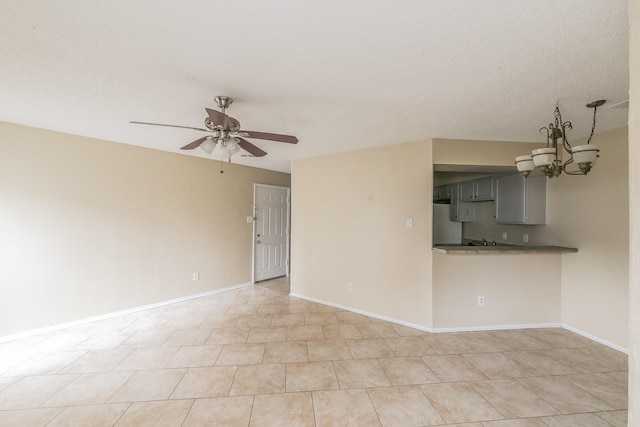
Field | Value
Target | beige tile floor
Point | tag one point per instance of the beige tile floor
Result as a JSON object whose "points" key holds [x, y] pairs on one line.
{"points": [[258, 357]]}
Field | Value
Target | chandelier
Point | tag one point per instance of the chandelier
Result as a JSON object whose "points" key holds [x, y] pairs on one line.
{"points": [[549, 159]]}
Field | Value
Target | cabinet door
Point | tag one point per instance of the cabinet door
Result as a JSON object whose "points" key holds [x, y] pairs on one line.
{"points": [[510, 206], [441, 192], [467, 193], [483, 189], [455, 202], [460, 211], [445, 192], [466, 212], [536, 199], [521, 200]]}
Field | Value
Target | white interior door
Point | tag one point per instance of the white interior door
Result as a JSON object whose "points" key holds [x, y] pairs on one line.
{"points": [[271, 237]]}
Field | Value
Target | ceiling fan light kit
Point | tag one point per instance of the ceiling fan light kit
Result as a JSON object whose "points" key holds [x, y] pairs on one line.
{"points": [[226, 133], [549, 159], [208, 145], [228, 148]]}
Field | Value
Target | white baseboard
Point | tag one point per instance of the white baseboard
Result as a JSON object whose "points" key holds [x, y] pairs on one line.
{"points": [[498, 327], [469, 328], [365, 313], [595, 338], [84, 321], [433, 330]]}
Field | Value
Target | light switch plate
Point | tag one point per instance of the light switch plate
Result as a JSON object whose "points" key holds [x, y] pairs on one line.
{"points": [[409, 222]]}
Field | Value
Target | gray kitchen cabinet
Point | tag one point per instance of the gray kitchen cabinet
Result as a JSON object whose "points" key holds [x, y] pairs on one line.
{"points": [[521, 200], [460, 211], [484, 189], [467, 191], [477, 190], [442, 193]]}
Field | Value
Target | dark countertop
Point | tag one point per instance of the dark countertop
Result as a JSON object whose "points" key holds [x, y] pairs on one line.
{"points": [[500, 249]]}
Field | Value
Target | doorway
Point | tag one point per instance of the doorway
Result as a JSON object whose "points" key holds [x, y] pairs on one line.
{"points": [[271, 206]]}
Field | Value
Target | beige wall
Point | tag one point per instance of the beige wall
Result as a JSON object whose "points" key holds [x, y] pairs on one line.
{"points": [[90, 227], [591, 213], [634, 209], [348, 225], [486, 153], [514, 294], [443, 178]]}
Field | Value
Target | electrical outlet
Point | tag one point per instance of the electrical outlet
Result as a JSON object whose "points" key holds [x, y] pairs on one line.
{"points": [[480, 300], [525, 238], [350, 286], [504, 235], [409, 222], [196, 276]]}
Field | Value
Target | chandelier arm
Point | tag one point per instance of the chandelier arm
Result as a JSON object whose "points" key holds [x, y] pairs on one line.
{"points": [[548, 134], [567, 163], [572, 172], [565, 142], [575, 172]]}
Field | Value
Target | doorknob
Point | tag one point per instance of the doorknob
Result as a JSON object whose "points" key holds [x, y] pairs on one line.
{"points": [[258, 242]]}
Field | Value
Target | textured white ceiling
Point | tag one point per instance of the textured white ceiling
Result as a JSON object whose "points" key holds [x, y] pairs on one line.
{"points": [[340, 75]]}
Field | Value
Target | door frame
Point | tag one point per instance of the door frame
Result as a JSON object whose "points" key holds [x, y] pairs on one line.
{"points": [[254, 238]]}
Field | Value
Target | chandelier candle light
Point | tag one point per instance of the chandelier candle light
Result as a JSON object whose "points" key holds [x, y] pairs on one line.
{"points": [[549, 159]]}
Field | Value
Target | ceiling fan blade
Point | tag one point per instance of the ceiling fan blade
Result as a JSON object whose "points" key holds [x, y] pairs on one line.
{"points": [[171, 126], [269, 136], [218, 118], [195, 144], [249, 147]]}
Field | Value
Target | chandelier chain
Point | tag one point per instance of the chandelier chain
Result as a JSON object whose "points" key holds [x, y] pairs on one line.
{"points": [[593, 126]]}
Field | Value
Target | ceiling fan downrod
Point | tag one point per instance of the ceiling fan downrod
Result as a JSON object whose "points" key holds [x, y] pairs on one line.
{"points": [[223, 102]]}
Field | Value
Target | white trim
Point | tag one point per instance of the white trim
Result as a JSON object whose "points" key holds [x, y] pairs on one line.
{"points": [[498, 327], [470, 328], [84, 321], [595, 338], [254, 214], [365, 313]]}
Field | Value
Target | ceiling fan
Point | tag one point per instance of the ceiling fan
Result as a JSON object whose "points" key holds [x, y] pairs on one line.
{"points": [[225, 131]]}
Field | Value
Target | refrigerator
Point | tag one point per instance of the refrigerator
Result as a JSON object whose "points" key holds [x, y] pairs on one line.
{"points": [[445, 231]]}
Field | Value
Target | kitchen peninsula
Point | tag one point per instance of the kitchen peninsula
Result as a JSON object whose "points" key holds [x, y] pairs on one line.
{"points": [[502, 270], [500, 249]]}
